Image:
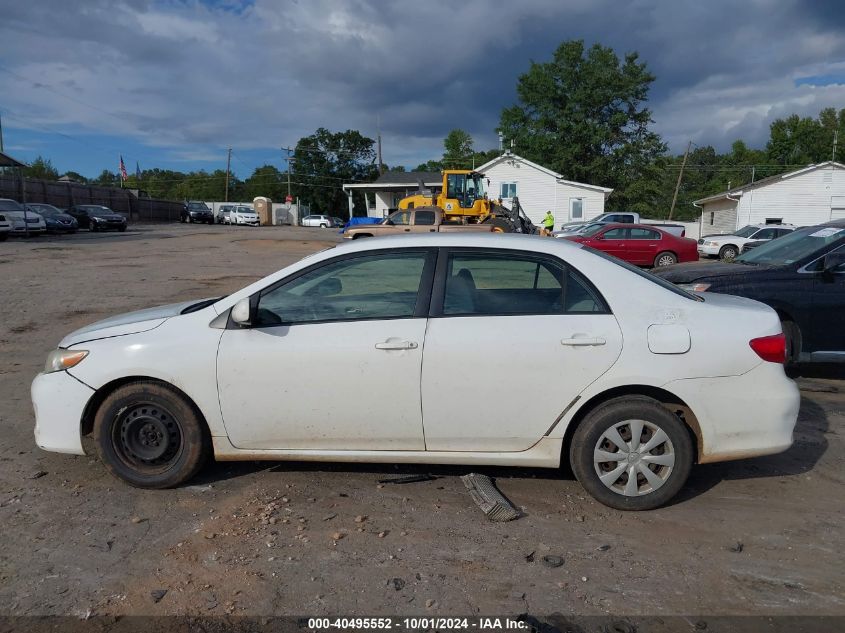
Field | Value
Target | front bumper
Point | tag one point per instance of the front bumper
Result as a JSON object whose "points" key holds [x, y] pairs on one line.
{"points": [[59, 401], [741, 416], [247, 222]]}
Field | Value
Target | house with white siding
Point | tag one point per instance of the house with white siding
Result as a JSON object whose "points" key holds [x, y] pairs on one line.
{"points": [[540, 189], [508, 176], [808, 196]]}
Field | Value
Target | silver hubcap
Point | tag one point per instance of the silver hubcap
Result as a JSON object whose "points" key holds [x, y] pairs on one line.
{"points": [[634, 458], [666, 260]]}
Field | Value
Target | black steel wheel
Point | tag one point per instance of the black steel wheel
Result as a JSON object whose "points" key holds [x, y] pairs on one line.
{"points": [[150, 436]]}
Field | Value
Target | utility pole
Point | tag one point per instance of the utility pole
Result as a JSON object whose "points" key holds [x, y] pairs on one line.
{"points": [[228, 165], [680, 176], [288, 158], [833, 158], [380, 164]]}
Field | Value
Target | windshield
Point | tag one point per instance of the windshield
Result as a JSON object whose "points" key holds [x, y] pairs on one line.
{"points": [[245, 210], [792, 247], [10, 205], [746, 231], [44, 209], [198, 206], [590, 229], [646, 275]]}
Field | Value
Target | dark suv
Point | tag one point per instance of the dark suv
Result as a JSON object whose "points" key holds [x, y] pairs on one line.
{"points": [[195, 211], [96, 217], [801, 275]]}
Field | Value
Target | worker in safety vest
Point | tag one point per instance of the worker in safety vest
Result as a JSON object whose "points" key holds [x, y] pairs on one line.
{"points": [[549, 223]]}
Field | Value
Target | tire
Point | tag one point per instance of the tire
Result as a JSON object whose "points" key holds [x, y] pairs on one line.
{"points": [[728, 252], [500, 225], [150, 436], [668, 478], [324, 226], [665, 259], [182, 219], [93, 228], [793, 341], [4, 236]]}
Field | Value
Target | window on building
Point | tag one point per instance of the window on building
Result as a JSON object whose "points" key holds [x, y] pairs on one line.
{"points": [[507, 190], [576, 208]]}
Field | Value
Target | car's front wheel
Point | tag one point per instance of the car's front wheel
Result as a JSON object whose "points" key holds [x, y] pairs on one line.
{"points": [[150, 436], [631, 453], [728, 252]]}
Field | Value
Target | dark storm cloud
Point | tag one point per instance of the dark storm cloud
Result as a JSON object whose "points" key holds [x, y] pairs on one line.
{"points": [[262, 74]]}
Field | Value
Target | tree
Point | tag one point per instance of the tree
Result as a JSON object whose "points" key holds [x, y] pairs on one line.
{"points": [[41, 168], [266, 181], [582, 114], [324, 161], [797, 141], [431, 165], [458, 145], [75, 176], [107, 178]]}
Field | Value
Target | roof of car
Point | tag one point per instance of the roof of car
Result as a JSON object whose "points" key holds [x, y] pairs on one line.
{"points": [[837, 223], [471, 239]]}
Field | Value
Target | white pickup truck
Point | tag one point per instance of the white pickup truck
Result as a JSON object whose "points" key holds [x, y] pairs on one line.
{"points": [[624, 217]]}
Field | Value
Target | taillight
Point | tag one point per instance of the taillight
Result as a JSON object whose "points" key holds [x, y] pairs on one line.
{"points": [[770, 348]]}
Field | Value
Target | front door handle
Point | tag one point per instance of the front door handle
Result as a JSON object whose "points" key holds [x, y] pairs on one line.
{"points": [[389, 345], [583, 341]]}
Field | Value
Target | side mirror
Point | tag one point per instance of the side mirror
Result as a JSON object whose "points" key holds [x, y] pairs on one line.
{"points": [[832, 261], [242, 313]]}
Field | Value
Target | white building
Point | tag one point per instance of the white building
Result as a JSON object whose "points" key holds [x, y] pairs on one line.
{"points": [[540, 190], [808, 196]]}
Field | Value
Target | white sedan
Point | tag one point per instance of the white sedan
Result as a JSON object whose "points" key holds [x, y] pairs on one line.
{"points": [[446, 349]]}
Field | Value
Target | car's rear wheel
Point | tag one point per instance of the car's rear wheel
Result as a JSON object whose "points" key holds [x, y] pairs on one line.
{"points": [[150, 436], [631, 453], [728, 252], [324, 225], [665, 259]]}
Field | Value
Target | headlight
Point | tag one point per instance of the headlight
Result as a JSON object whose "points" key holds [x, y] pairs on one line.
{"points": [[61, 359], [695, 287], [711, 243]]}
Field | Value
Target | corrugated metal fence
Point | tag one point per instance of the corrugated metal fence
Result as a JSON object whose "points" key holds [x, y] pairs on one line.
{"points": [[66, 194]]}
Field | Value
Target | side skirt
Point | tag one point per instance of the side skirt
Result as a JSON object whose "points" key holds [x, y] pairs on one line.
{"points": [[544, 454]]}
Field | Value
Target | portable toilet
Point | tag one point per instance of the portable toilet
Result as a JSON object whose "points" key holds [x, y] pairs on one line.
{"points": [[264, 208]]}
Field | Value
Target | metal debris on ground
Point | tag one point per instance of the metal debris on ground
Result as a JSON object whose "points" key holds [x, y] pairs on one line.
{"points": [[550, 560], [487, 497], [407, 479]]}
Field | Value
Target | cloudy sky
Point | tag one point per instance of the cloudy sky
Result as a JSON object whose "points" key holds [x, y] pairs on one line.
{"points": [[172, 83]]}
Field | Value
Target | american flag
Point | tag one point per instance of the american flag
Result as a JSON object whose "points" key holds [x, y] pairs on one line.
{"points": [[123, 175]]}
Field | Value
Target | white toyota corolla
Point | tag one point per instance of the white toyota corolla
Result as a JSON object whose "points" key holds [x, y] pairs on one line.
{"points": [[446, 349]]}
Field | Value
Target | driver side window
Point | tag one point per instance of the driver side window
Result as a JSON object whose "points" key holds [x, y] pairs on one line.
{"points": [[382, 286]]}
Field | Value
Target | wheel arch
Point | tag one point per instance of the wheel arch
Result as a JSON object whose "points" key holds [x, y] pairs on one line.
{"points": [[669, 400], [86, 424]]}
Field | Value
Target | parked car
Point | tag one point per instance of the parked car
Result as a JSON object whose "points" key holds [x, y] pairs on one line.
{"points": [[21, 220], [96, 217], [243, 214], [800, 275], [654, 378], [195, 211], [55, 220], [223, 213], [323, 221], [678, 230], [5, 228], [620, 217], [419, 220], [575, 230], [728, 246], [752, 244], [639, 244]]}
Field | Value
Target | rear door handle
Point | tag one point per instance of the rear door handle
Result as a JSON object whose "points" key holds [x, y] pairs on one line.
{"points": [[583, 341], [388, 345]]}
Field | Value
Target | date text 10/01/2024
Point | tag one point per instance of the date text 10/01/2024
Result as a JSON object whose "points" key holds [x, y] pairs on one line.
{"points": [[418, 623]]}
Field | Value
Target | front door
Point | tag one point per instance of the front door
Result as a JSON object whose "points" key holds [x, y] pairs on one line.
{"points": [[513, 339], [826, 336], [612, 241], [333, 361]]}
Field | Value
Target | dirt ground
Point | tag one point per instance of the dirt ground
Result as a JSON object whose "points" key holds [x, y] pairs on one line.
{"points": [[761, 536]]}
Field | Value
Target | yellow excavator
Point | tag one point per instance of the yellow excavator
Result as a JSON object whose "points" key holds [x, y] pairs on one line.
{"points": [[463, 200]]}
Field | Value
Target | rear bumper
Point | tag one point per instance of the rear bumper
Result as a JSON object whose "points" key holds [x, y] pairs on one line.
{"points": [[59, 401], [742, 416]]}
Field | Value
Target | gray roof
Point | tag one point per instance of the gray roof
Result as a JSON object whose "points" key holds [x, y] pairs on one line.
{"points": [[409, 177], [8, 161]]}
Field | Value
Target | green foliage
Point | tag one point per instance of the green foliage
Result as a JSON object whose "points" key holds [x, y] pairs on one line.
{"points": [[324, 161], [75, 176], [458, 145], [582, 114], [266, 181], [802, 141], [41, 168]]}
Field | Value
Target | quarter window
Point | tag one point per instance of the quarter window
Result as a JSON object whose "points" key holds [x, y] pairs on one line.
{"points": [[383, 286], [491, 284]]}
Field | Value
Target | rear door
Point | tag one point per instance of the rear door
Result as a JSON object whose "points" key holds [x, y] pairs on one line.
{"points": [[643, 244], [513, 338]]}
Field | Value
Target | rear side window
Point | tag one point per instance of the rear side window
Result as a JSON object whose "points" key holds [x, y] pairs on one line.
{"points": [[492, 284], [644, 234], [425, 218]]}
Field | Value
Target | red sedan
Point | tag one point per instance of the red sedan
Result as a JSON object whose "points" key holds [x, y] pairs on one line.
{"points": [[638, 244]]}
